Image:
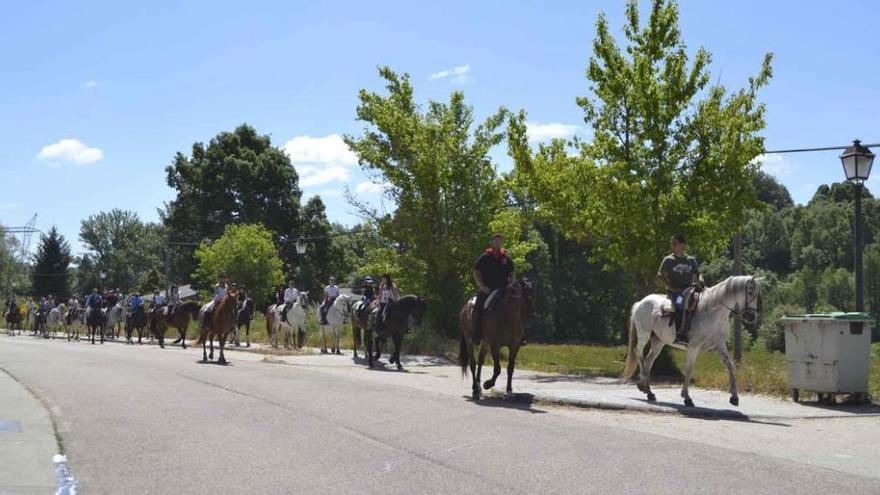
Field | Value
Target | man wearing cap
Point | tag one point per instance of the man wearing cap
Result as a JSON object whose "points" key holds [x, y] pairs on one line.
{"points": [[331, 292], [291, 295], [493, 270]]}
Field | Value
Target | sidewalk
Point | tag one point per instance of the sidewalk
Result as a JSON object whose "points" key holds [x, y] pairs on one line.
{"points": [[439, 375], [27, 441]]}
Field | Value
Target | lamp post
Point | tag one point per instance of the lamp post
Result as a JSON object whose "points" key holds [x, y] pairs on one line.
{"points": [[857, 161], [103, 275], [301, 247]]}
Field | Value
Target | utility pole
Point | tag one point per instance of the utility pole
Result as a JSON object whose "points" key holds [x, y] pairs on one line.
{"points": [[737, 317], [167, 273]]}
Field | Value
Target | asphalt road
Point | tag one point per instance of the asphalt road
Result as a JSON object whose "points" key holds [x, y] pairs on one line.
{"points": [[145, 420]]}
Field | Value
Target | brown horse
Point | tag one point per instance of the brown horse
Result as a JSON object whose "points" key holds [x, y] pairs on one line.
{"points": [[502, 326], [181, 316], [218, 324]]}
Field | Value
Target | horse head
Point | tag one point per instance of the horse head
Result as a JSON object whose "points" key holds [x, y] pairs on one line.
{"points": [[753, 300], [528, 287]]}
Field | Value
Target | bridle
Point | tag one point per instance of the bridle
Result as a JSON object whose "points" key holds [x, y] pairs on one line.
{"points": [[749, 313]]}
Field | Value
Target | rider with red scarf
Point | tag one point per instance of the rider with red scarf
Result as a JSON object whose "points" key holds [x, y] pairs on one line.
{"points": [[493, 270]]}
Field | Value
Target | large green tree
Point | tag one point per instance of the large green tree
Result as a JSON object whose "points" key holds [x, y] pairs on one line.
{"points": [[435, 162], [670, 152], [239, 177], [122, 246], [13, 271], [247, 255], [315, 227], [50, 273]]}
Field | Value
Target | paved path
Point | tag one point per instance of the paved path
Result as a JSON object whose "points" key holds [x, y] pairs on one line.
{"points": [[27, 440], [141, 419]]}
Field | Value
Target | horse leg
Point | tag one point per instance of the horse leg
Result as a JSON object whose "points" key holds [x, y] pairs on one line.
{"points": [[725, 356], [222, 341], [337, 336], [478, 376], [247, 333], [645, 365], [368, 342], [496, 358], [355, 337], [398, 339], [688, 373], [323, 339], [511, 363], [211, 346], [204, 351]]}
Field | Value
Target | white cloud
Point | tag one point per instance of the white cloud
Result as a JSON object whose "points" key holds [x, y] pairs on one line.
{"points": [[544, 132], [369, 187], [70, 151], [90, 84], [459, 74], [320, 160], [9, 206], [774, 165]]}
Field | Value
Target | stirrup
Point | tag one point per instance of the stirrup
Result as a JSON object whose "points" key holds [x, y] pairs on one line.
{"points": [[679, 340]]}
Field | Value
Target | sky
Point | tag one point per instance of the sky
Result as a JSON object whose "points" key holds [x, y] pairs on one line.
{"points": [[97, 97]]}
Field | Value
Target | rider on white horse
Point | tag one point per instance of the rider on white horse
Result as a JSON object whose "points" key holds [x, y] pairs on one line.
{"points": [[331, 292], [220, 290], [291, 295], [679, 272]]}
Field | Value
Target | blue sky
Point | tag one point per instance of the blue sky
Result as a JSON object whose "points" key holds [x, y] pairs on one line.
{"points": [[96, 97]]}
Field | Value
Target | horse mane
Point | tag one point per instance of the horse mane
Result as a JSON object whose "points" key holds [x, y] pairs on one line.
{"points": [[407, 301], [714, 296]]}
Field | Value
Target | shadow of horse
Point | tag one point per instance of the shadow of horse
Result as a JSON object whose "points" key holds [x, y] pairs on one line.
{"points": [[520, 402]]}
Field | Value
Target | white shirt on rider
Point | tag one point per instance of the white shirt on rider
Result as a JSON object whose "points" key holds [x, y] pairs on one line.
{"points": [[219, 292], [331, 291], [291, 295], [159, 300]]}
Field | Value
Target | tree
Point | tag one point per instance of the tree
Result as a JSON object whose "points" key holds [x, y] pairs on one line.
{"points": [[13, 272], [238, 178], [247, 255], [151, 281], [439, 174], [669, 152], [769, 190], [50, 275], [122, 246], [315, 228]]}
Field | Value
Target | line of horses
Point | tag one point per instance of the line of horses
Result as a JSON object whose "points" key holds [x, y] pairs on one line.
{"points": [[504, 320]]}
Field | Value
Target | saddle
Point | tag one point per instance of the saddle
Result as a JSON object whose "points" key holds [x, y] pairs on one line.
{"points": [[691, 297], [494, 298]]}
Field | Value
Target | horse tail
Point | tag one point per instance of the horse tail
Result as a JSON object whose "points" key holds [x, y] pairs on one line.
{"points": [[464, 356], [632, 360]]}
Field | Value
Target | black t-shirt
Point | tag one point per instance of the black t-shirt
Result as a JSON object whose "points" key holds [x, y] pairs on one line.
{"points": [[495, 270]]}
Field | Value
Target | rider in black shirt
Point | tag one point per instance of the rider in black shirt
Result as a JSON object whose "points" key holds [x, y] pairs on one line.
{"points": [[493, 270]]}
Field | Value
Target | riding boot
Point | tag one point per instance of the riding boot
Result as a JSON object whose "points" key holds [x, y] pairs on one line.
{"points": [[324, 316], [681, 336], [284, 313]]}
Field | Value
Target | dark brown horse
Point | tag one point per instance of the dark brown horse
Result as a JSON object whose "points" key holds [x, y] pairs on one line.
{"points": [[405, 312], [218, 324], [179, 318], [502, 326], [13, 319]]}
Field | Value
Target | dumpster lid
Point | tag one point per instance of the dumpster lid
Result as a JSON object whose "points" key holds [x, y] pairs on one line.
{"points": [[832, 316]]}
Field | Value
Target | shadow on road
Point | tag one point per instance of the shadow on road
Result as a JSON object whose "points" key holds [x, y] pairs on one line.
{"points": [[215, 363], [520, 402], [710, 414]]}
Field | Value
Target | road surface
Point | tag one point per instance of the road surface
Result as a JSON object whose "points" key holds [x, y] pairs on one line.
{"points": [[144, 420]]}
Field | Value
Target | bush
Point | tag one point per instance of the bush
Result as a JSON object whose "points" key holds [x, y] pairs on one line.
{"points": [[772, 332]]}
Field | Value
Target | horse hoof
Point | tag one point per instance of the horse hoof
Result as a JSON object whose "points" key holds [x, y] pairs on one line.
{"points": [[475, 395], [488, 384], [222, 361], [688, 402], [399, 367], [652, 398], [509, 396], [640, 386], [734, 400]]}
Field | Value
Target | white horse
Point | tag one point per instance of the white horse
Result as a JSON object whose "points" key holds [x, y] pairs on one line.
{"points": [[710, 326], [296, 320], [336, 316], [115, 317], [55, 320]]}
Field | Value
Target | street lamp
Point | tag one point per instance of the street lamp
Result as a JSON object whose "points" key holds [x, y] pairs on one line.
{"points": [[301, 247], [857, 161]]}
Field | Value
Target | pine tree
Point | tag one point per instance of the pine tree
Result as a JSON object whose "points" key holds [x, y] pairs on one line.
{"points": [[50, 275]]}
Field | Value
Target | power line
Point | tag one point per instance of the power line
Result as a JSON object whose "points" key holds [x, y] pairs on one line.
{"points": [[826, 148]]}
